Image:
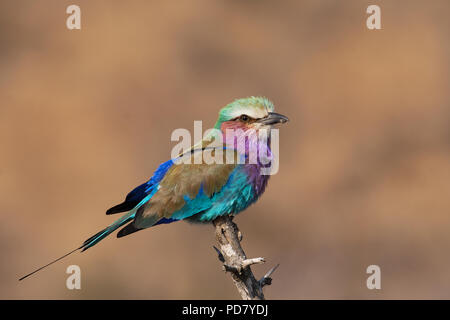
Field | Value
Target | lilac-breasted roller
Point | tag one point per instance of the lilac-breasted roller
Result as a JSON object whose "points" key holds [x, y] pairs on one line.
{"points": [[185, 188]]}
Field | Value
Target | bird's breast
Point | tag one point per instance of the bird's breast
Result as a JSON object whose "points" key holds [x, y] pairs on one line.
{"points": [[256, 178]]}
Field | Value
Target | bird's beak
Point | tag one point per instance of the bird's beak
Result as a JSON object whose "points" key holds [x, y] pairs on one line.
{"points": [[273, 118]]}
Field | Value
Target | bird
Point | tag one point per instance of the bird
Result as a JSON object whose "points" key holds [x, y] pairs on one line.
{"points": [[184, 189]]}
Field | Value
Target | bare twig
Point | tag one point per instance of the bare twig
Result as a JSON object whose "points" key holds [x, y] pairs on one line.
{"points": [[249, 262], [267, 280], [235, 262]]}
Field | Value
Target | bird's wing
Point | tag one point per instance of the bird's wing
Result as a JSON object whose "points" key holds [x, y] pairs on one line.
{"points": [[185, 190], [141, 192]]}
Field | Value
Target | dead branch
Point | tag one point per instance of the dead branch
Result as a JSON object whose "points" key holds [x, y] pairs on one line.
{"points": [[235, 261]]}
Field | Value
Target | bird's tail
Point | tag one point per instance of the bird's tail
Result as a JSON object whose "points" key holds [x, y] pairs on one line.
{"points": [[99, 236], [96, 238]]}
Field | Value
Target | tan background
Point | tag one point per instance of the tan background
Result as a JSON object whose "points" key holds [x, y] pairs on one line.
{"points": [[364, 176]]}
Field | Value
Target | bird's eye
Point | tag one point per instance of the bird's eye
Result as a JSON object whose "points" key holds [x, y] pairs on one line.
{"points": [[244, 118]]}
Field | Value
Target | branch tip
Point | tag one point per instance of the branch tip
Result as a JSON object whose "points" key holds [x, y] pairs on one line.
{"points": [[267, 280], [219, 254], [248, 262]]}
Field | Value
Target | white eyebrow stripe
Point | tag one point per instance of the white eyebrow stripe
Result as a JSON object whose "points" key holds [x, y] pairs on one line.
{"points": [[254, 113]]}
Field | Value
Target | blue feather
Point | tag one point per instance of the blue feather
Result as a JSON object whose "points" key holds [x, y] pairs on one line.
{"points": [[137, 194]]}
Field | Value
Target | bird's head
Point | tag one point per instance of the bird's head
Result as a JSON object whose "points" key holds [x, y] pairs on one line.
{"points": [[249, 113], [240, 124]]}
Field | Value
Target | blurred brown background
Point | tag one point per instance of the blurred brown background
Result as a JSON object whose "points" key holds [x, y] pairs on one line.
{"points": [[364, 176]]}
